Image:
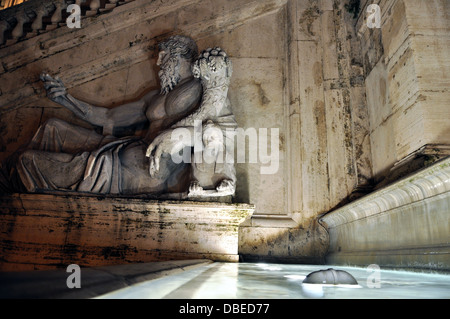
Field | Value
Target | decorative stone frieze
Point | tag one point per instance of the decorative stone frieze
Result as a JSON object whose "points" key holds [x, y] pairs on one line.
{"points": [[35, 16]]}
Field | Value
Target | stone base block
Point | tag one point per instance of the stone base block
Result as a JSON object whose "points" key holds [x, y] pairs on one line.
{"points": [[42, 231], [281, 239]]}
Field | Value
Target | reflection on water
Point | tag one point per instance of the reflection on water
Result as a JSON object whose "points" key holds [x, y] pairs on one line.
{"points": [[280, 281]]}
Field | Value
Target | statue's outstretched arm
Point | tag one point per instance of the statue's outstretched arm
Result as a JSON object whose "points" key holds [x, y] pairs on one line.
{"points": [[120, 116]]}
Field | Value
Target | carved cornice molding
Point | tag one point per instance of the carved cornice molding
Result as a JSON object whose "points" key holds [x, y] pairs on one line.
{"points": [[35, 17], [429, 182]]}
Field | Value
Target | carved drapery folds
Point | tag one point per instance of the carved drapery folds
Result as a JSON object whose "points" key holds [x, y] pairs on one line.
{"points": [[35, 17]]}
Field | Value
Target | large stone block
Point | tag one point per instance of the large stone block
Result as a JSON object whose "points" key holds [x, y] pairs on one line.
{"points": [[41, 231]]}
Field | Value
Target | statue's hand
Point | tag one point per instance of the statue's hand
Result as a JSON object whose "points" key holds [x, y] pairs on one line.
{"points": [[195, 189], [56, 91], [162, 144], [226, 186]]}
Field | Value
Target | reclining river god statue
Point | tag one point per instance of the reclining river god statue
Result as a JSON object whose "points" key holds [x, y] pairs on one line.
{"points": [[190, 114]]}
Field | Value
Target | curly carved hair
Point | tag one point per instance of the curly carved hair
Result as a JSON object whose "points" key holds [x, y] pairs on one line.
{"points": [[180, 45], [212, 59]]}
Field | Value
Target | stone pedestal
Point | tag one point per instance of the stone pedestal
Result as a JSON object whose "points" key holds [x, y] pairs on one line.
{"points": [[42, 231], [407, 86], [404, 225]]}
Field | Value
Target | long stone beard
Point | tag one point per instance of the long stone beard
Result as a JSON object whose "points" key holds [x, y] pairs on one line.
{"points": [[169, 75]]}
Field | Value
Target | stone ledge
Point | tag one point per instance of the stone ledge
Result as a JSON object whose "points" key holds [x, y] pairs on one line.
{"points": [[42, 231], [427, 183], [272, 221], [404, 225]]}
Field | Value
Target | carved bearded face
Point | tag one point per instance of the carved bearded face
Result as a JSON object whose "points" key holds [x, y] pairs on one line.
{"points": [[173, 51], [169, 74]]}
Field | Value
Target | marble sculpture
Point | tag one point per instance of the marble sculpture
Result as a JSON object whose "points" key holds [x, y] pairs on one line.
{"points": [[193, 94]]}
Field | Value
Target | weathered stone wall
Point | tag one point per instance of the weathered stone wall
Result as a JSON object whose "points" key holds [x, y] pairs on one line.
{"points": [[406, 65], [404, 224], [328, 146]]}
